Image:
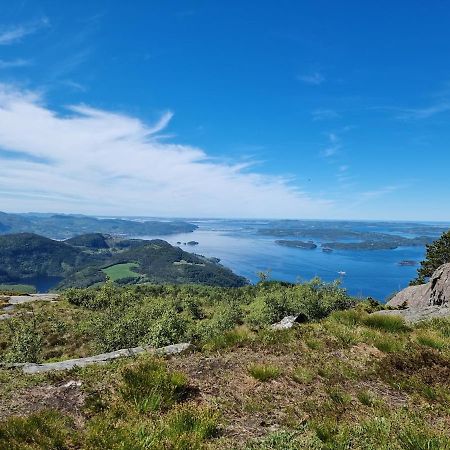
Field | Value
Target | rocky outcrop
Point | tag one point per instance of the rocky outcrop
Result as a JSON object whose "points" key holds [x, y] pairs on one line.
{"points": [[424, 301], [15, 300], [32, 368], [434, 293]]}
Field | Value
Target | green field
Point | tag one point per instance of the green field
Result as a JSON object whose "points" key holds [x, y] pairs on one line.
{"points": [[18, 288], [120, 271]]}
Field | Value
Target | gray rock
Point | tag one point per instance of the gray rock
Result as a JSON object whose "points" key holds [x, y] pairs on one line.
{"points": [[434, 293], [412, 315], [289, 321], [31, 368], [424, 301], [15, 300], [19, 299]]}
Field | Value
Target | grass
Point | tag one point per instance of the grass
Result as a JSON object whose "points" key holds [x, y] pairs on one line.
{"points": [[431, 339], [121, 271], [366, 398], [338, 396], [43, 430], [150, 387], [262, 372], [345, 381], [303, 375], [391, 324]]}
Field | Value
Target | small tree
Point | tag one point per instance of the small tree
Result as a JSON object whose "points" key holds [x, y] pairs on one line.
{"points": [[438, 253]]}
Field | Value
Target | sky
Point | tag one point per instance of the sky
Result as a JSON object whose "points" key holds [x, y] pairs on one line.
{"points": [[267, 109]]}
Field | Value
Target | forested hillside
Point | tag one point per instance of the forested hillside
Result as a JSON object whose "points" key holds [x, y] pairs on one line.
{"points": [[83, 261]]}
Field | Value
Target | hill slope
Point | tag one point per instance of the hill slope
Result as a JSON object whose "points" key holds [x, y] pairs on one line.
{"points": [[346, 379], [79, 261]]}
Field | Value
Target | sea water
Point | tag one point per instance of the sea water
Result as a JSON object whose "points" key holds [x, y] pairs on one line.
{"points": [[374, 273]]}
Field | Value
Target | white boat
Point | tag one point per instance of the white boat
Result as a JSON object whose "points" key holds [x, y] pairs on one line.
{"points": [[342, 273]]}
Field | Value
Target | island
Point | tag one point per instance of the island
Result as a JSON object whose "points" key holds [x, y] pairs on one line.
{"points": [[63, 226], [297, 244]]}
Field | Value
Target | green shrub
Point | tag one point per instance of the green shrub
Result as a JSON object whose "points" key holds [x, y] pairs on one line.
{"points": [[224, 318], [315, 299], [150, 387], [169, 329], [264, 372], [25, 339]]}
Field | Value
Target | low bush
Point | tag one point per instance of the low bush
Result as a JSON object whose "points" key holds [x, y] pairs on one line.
{"points": [[25, 339]]}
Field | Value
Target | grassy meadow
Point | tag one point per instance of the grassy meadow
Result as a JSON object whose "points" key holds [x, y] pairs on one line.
{"points": [[344, 380]]}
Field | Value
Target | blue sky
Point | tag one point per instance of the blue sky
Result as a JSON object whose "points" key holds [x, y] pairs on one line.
{"points": [[294, 109]]}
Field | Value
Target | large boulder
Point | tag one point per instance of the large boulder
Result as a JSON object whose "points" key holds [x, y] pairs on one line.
{"points": [[425, 301], [434, 293]]}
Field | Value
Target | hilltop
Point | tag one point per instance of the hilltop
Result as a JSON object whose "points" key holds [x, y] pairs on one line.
{"points": [[88, 259], [343, 379]]}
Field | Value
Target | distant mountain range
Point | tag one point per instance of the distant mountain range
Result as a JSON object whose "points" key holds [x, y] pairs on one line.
{"points": [[93, 258], [63, 226]]}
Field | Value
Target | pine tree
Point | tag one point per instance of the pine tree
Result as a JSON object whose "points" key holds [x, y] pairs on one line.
{"points": [[438, 253]]}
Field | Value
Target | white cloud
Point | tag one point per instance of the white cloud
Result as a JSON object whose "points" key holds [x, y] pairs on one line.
{"points": [[16, 33], [100, 162], [314, 78], [12, 64]]}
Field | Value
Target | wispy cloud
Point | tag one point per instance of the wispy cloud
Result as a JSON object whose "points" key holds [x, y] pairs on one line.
{"points": [[74, 85], [14, 63], [345, 179], [423, 113], [96, 161], [377, 193], [16, 33], [315, 78], [333, 147], [324, 114]]}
